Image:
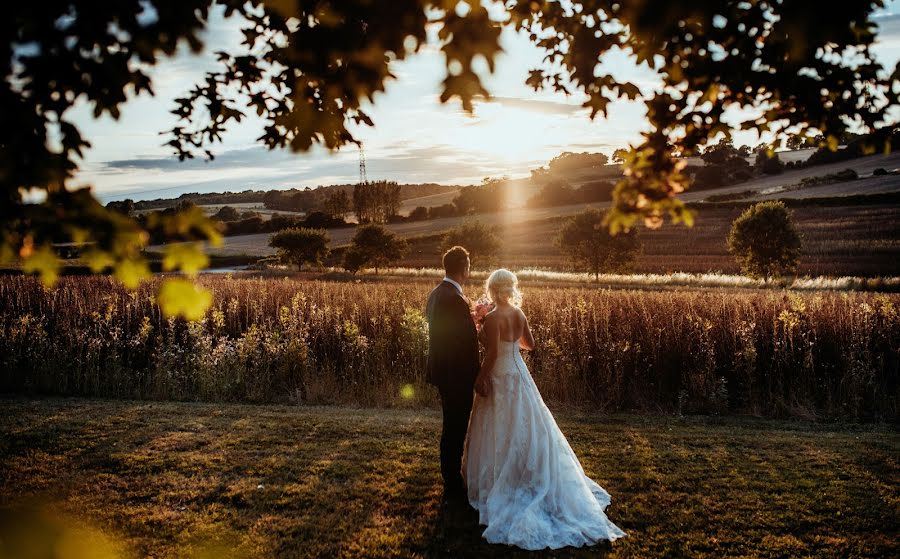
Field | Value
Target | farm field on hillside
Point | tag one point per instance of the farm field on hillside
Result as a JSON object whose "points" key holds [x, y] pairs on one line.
{"points": [[857, 240], [854, 240]]}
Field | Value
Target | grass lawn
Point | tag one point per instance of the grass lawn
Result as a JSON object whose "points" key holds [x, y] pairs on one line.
{"points": [[192, 480]]}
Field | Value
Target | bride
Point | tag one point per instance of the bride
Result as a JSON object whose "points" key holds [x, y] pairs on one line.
{"points": [[521, 474]]}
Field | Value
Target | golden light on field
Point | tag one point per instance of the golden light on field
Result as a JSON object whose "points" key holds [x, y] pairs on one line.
{"points": [[517, 196]]}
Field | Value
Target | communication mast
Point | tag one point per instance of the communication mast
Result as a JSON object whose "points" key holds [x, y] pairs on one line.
{"points": [[363, 179]]}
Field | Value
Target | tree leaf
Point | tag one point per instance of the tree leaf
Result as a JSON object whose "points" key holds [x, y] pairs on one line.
{"points": [[131, 271], [44, 262], [187, 257], [180, 297]]}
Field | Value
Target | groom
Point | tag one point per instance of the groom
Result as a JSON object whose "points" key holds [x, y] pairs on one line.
{"points": [[452, 364]]}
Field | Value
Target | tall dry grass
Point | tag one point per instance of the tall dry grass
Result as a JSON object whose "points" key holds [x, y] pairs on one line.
{"points": [[771, 352]]}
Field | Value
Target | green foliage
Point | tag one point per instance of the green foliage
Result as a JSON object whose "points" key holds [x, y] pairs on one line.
{"points": [[337, 204], [419, 213], [492, 195], [553, 193], [765, 241], [768, 162], [478, 238], [126, 206], [354, 260], [227, 213], [798, 141], [588, 242], [560, 193], [568, 161], [376, 202], [374, 246], [301, 245], [721, 153], [840, 176], [188, 257], [314, 65], [181, 297]]}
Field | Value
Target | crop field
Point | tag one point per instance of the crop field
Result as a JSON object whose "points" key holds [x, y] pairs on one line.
{"points": [[766, 352]]}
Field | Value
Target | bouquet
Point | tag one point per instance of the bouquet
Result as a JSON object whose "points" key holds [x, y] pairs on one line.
{"points": [[482, 306]]}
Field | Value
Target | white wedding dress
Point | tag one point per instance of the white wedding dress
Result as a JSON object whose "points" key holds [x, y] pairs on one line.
{"points": [[523, 478]]}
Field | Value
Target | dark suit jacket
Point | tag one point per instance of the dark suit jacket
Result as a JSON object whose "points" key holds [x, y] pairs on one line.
{"points": [[452, 338]]}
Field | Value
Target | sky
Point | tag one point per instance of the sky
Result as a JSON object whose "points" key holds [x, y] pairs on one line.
{"points": [[415, 137]]}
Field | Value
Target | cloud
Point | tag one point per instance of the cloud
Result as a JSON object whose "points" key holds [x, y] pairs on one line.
{"points": [[591, 147], [235, 158], [539, 105], [257, 168]]}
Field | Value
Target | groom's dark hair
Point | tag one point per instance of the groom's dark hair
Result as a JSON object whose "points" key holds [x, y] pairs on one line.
{"points": [[455, 260]]}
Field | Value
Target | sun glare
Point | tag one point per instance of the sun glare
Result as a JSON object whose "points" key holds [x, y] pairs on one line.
{"points": [[510, 134]]}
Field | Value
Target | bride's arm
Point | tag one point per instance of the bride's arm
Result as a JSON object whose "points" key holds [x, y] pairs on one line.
{"points": [[490, 334], [527, 340]]}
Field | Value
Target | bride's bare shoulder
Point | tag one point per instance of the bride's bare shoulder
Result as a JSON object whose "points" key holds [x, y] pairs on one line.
{"points": [[491, 316]]}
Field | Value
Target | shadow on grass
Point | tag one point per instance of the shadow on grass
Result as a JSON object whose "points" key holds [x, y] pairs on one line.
{"points": [[190, 480]]}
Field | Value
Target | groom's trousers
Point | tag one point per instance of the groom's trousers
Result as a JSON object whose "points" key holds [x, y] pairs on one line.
{"points": [[456, 403]]}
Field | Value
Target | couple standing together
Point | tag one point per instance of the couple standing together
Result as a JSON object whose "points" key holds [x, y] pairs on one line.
{"points": [[503, 452]]}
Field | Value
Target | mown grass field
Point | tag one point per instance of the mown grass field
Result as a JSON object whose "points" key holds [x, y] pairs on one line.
{"points": [[208, 480]]}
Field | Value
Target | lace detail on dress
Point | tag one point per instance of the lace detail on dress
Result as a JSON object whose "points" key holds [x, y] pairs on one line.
{"points": [[523, 477]]}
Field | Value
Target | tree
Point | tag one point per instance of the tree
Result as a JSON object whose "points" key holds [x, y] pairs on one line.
{"points": [[444, 210], [554, 193], [306, 68], [353, 260], [227, 213], [479, 239], [768, 163], [568, 161], [492, 195], [337, 204], [419, 213], [720, 153], [125, 207], [376, 202], [795, 142], [375, 246], [723, 164], [765, 241], [588, 242], [619, 155], [301, 245]]}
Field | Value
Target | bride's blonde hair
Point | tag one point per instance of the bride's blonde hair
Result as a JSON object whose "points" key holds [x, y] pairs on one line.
{"points": [[503, 285]]}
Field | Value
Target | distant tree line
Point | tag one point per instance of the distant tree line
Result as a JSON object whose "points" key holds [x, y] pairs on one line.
{"points": [[203, 199], [560, 193], [724, 164], [322, 198], [256, 224], [379, 202], [372, 246], [376, 202]]}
